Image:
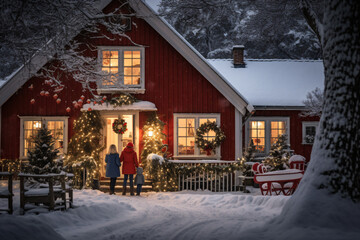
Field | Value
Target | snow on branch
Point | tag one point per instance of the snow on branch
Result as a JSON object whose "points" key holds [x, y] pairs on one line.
{"points": [[312, 18], [65, 32], [313, 103]]}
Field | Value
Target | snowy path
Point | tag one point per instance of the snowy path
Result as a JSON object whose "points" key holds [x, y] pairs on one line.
{"points": [[181, 215]]}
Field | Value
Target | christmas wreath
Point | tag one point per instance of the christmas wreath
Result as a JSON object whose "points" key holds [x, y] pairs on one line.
{"points": [[119, 126], [205, 144]]}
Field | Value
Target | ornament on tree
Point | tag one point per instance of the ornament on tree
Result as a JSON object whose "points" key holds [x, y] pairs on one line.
{"points": [[119, 126], [58, 101], [104, 98], [42, 93], [95, 102], [42, 158], [55, 96], [89, 109], [47, 94], [85, 147], [88, 101], [32, 101], [68, 109], [80, 101], [82, 97], [205, 144]]}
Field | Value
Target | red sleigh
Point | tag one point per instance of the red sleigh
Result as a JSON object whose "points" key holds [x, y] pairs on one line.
{"points": [[277, 182]]}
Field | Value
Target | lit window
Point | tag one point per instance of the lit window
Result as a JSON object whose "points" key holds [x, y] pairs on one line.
{"points": [[124, 66], [265, 131], [309, 131], [185, 126], [30, 127], [257, 135]]}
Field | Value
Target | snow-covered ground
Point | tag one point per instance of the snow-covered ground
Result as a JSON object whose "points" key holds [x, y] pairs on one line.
{"points": [[179, 215]]}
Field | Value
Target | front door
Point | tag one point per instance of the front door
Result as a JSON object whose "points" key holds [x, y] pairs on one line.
{"points": [[119, 140]]}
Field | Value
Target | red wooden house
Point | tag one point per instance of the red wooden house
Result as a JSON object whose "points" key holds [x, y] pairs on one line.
{"points": [[168, 76]]}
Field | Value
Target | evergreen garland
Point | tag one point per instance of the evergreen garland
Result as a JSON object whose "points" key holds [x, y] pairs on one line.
{"points": [[122, 99], [84, 150], [167, 173], [43, 157], [154, 143], [279, 154]]}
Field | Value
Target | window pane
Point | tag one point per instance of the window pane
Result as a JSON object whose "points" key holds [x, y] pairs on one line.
{"points": [[257, 134], [114, 54], [106, 62], [127, 80], [136, 80], [127, 54], [277, 129], [106, 54], [127, 62], [310, 132], [182, 122], [136, 54], [136, 71], [136, 62], [186, 136], [114, 62], [182, 132]]}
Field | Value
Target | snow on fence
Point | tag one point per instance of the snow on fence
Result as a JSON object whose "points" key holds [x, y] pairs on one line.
{"points": [[212, 181]]}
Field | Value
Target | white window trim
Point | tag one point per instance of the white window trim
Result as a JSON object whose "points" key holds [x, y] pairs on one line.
{"points": [[140, 89], [267, 121], [308, 124], [197, 151], [42, 118]]}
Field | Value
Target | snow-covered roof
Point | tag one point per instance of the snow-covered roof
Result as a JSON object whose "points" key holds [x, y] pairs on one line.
{"points": [[273, 82]]}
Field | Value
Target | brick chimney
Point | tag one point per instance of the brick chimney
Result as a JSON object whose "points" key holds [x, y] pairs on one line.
{"points": [[238, 56]]}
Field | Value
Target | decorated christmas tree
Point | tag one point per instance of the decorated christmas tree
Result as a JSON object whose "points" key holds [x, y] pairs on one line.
{"points": [[248, 156], [43, 157], [84, 150], [153, 138], [279, 154]]}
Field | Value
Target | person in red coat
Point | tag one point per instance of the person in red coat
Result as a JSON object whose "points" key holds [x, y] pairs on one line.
{"points": [[130, 163]]}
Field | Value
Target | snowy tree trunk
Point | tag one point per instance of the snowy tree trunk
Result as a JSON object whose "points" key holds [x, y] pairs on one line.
{"points": [[333, 175], [336, 154]]}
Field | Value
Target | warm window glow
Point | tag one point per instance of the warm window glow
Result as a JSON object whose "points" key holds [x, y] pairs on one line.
{"points": [[257, 135], [210, 135], [131, 67], [123, 65], [186, 136], [32, 127], [277, 129], [186, 131], [57, 131]]}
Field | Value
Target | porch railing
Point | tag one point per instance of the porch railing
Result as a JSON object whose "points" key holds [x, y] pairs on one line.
{"points": [[205, 180]]}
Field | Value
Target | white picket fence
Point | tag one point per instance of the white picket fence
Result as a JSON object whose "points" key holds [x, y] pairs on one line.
{"points": [[214, 182]]}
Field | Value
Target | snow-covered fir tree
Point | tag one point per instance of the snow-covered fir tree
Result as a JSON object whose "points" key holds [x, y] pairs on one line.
{"points": [[279, 154], [43, 158]]}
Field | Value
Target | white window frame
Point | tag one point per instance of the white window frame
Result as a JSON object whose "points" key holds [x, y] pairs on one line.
{"points": [[46, 119], [267, 121], [308, 124], [197, 116], [139, 89]]}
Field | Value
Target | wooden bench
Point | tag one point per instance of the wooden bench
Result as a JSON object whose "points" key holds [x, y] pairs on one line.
{"points": [[282, 181], [47, 196], [9, 192]]}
